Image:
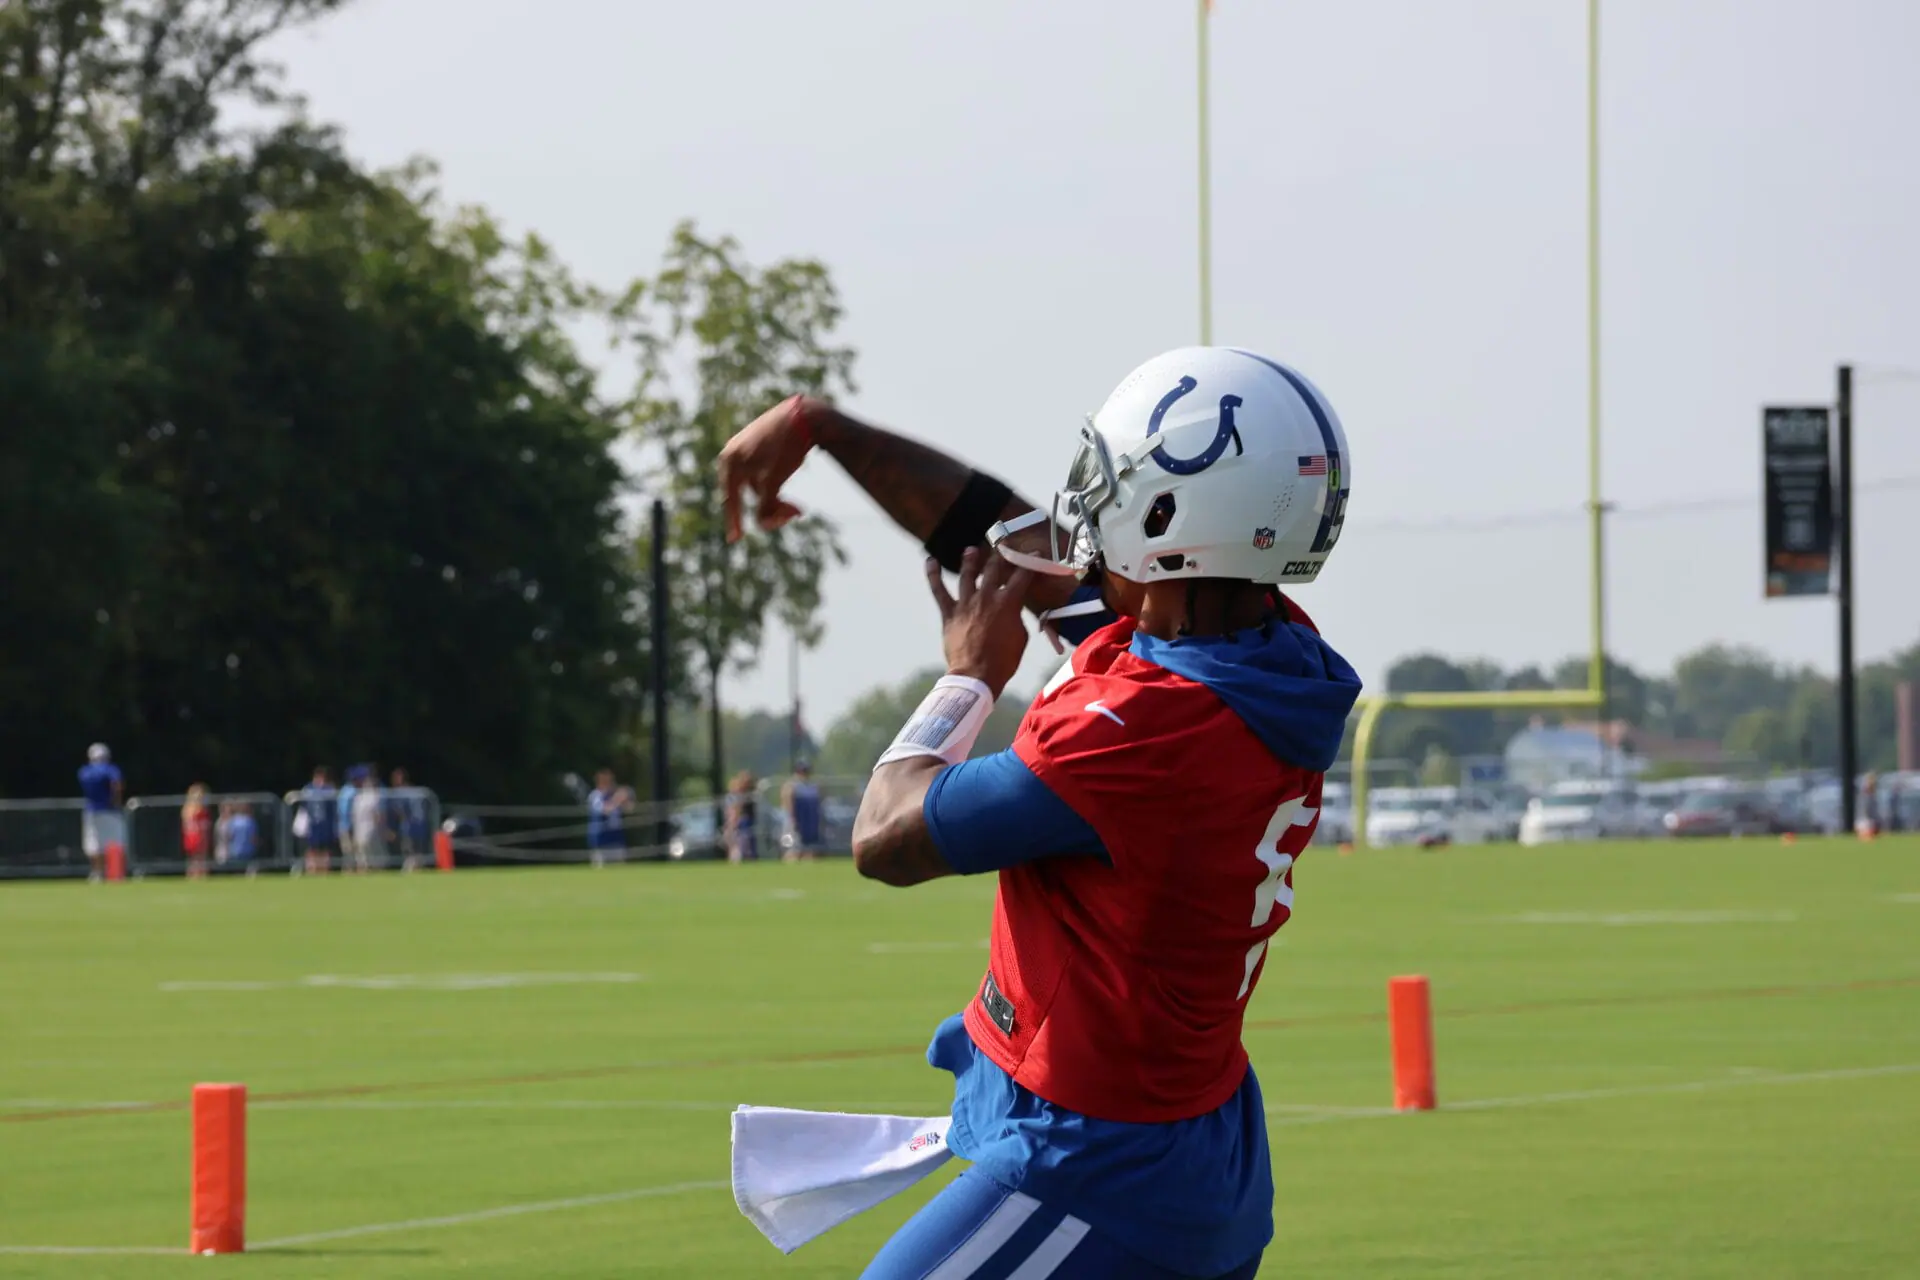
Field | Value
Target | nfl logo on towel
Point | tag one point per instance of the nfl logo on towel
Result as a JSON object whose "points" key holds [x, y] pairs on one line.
{"points": [[1263, 539]]}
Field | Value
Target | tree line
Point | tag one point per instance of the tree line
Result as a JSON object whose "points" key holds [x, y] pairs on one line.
{"points": [[299, 463], [1754, 708]]}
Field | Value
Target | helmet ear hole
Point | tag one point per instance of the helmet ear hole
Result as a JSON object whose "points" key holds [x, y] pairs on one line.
{"points": [[1159, 517]]}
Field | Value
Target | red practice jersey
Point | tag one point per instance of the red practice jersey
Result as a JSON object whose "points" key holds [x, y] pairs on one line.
{"points": [[1117, 988]]}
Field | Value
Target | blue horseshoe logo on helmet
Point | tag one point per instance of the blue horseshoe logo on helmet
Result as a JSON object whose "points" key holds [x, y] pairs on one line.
{"points": [[1211, 454]]}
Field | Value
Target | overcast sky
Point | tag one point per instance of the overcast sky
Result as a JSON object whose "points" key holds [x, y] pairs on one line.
{"points": [[1004, 191]]}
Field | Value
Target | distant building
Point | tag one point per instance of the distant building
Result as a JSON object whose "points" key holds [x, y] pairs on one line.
{"points": [[1543, 754]]}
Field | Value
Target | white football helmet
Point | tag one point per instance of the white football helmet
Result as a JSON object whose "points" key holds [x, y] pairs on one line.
{"points": [[1207, 462]]}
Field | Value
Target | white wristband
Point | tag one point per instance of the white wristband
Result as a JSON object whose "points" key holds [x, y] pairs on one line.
{"points": [[946, 724]]}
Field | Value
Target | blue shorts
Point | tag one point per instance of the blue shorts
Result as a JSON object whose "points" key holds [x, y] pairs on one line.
{"points": [[977, 1229]]}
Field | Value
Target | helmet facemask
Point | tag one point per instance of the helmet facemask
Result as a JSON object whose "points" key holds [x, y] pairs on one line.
{"points": [[1074, 548]]}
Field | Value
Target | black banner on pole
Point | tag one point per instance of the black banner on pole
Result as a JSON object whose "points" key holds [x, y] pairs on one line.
{"points": [[1799, 502]]}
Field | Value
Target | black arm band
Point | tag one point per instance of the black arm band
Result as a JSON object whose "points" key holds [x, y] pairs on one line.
{"points": [[966, 523]]}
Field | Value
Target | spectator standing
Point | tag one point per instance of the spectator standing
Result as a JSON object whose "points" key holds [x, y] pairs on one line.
{"points": [[607, 807], [407, 820], [801, 800], [343, 814], [222, 828], [370, 832], [743, 839], [102, 825], [317, 822], [242, 844], [196, 831]]}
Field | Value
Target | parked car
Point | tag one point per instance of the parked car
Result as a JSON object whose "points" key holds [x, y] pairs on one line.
{"points": [[1896, 804], [1727, 812], [1481, 817], [1431, 815], [1790, 797], [1336, 815], [1509, 803], [1579, 811], [1652, 802], [1403, 815], [1900, 801]]}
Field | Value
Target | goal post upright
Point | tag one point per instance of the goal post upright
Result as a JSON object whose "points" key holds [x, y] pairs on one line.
{"points": [[1594, 696]]}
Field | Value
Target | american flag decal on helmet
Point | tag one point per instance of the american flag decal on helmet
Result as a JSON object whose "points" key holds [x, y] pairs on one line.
{"points": [[1313, 465]]}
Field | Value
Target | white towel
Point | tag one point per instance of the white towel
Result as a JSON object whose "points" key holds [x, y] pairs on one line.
{"points": [[798, 1174]]}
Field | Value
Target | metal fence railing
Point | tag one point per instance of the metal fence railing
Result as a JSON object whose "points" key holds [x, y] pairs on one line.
{"points": [[699, 829], [229, 831], [41, 839]]}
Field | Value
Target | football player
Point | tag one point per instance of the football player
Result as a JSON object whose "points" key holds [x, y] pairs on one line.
{"points": [[1144, 824]]}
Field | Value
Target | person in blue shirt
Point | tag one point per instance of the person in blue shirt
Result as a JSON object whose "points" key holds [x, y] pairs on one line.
{"points": [[242, 844], [607, 807], [318, 821], [101, 823], [407, 819], [801, 799], [343, 810]]}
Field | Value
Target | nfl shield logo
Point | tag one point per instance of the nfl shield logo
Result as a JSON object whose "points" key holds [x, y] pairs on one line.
{"points": [[1262, 539]]}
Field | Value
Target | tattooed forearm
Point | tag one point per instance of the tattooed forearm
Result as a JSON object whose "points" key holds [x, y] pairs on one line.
{"points": [[915, 484], [891, 842]]}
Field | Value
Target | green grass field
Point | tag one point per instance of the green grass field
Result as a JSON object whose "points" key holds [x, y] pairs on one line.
{"points": [[1655, 1060]]}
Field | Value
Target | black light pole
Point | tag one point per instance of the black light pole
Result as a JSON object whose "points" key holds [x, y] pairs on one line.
{"points": [[662, 771], [1843, 545], [793, 692]]}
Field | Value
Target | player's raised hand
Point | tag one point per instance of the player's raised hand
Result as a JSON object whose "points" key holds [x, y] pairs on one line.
{"points": [[762, 458], [982, 628]]}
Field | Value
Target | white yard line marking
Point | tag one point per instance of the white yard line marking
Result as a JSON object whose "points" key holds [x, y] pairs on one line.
{"points": [[494, 1104], [914, 948], [411, 982], [487, 1215], [921, 1107], [1618, 919], [88, 1251], [547, 1104], [1324, 1109], [1628, 1091]]}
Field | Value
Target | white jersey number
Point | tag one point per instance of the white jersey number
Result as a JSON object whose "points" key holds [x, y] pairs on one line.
{"points": [[1273, 887]]}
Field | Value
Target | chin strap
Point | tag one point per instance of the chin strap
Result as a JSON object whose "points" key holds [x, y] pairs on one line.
{"points": [[1078, 609]]}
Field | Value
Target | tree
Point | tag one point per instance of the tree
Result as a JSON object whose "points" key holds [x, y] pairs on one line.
{"points": [[1714, 686], [307, 467], [750, 336], [1879, 745], [1413, 735], [757, 741], [856, 740]]}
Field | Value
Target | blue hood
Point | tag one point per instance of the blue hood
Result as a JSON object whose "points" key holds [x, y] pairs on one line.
{"points": [[1283, 680]]}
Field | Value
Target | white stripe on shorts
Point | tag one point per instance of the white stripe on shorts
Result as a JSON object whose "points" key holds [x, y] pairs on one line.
{"points": [[1053, 1251], [987, 1238]]}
